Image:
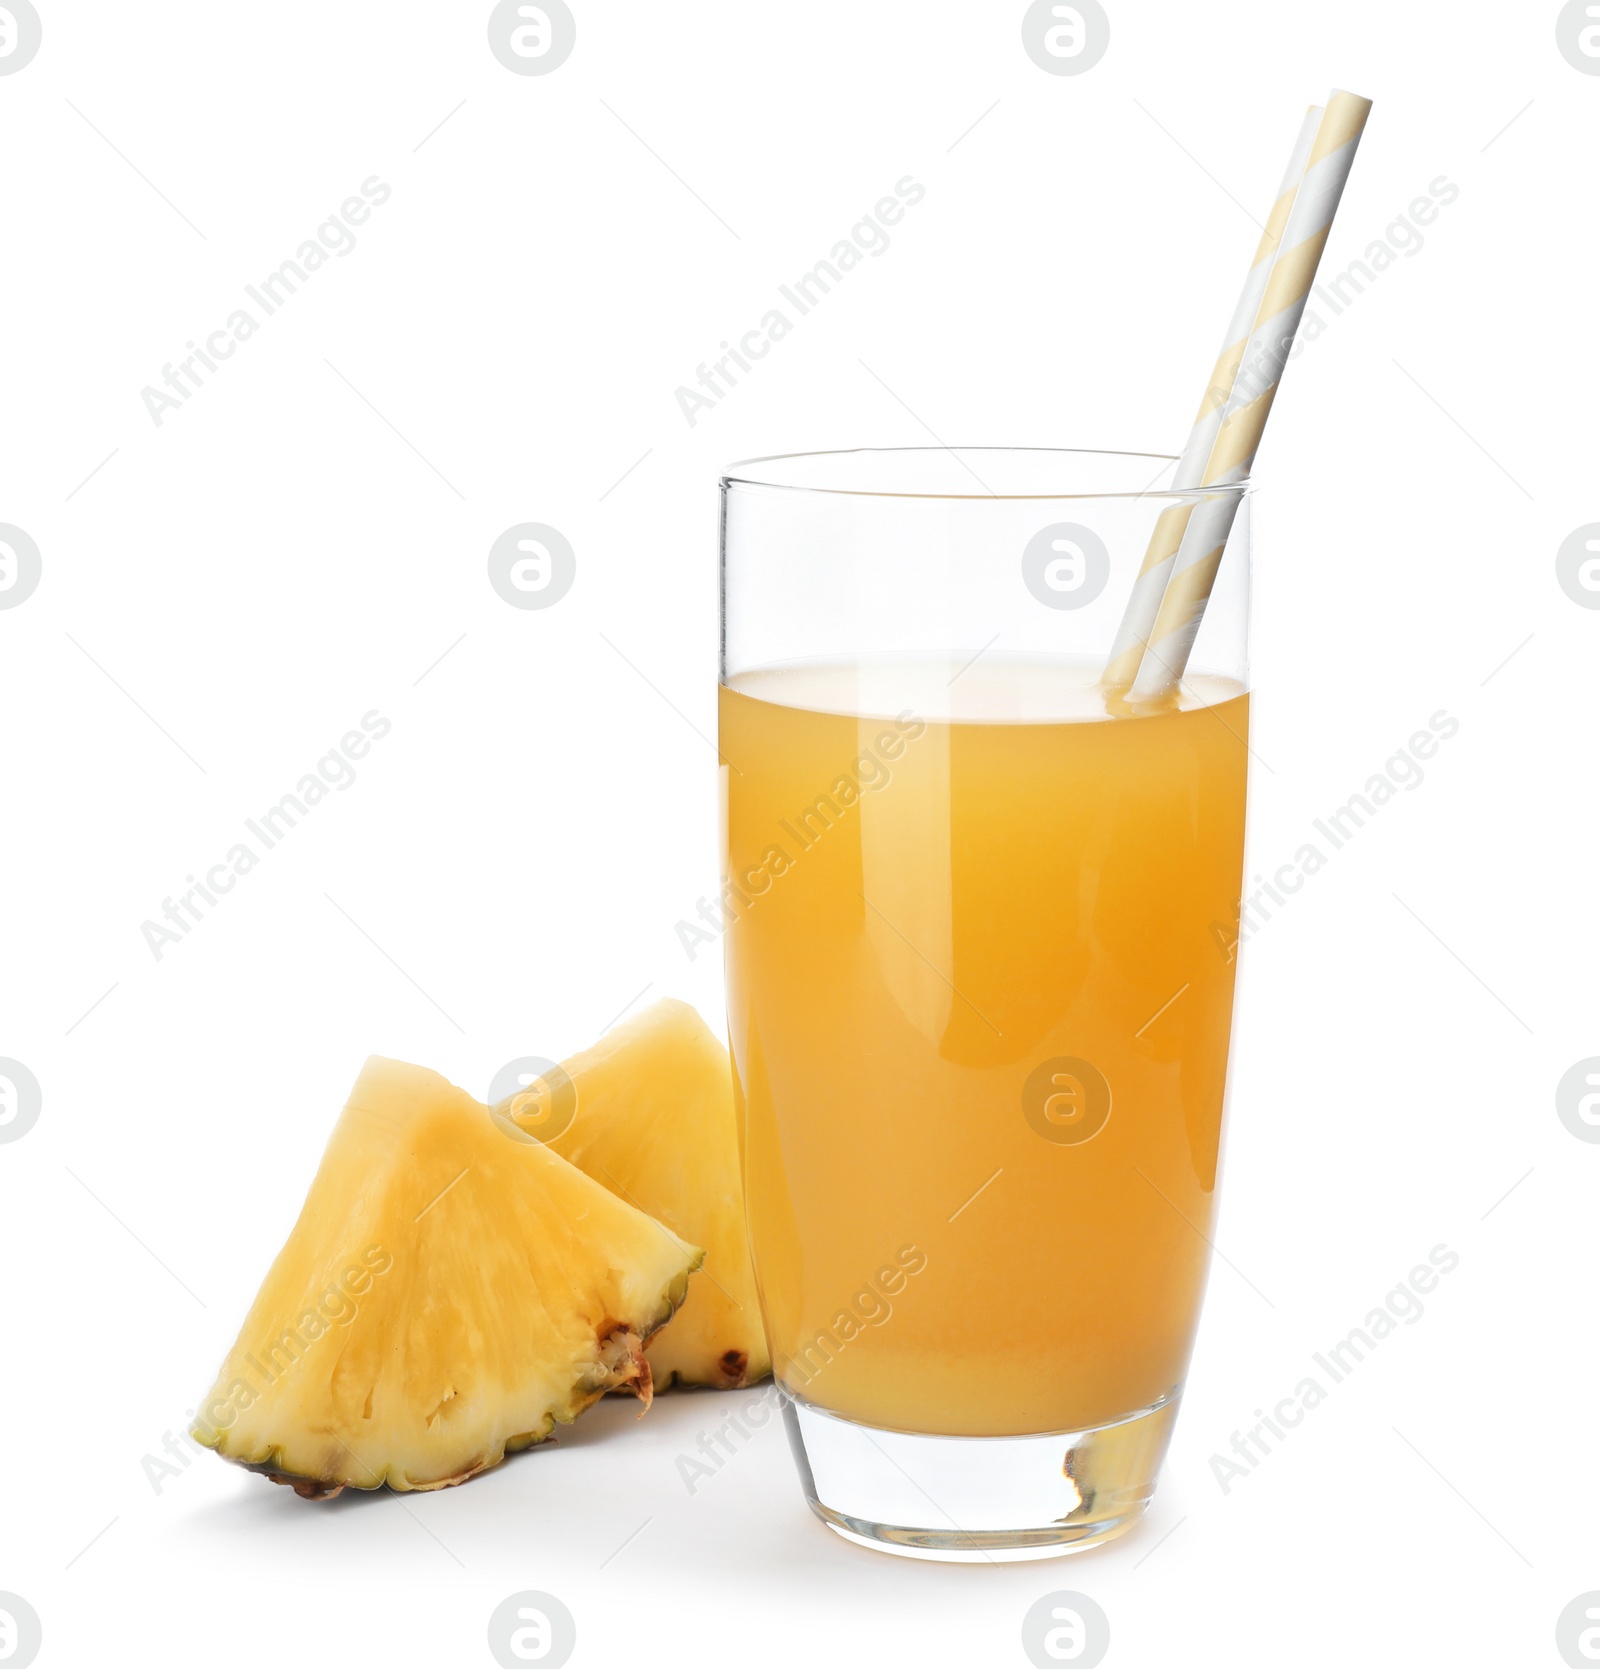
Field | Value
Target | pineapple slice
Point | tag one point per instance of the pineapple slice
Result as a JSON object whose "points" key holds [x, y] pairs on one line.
{"points": [[655, 1124], [451, 1290]]}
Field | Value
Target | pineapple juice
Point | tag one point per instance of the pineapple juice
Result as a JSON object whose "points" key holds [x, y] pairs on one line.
{"points": [[980, 987]]}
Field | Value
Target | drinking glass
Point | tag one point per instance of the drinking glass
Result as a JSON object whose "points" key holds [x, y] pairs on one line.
{"points": [[981, 923]]}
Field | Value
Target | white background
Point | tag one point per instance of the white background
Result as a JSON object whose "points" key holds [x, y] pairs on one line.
{"points": [[228, 593]]}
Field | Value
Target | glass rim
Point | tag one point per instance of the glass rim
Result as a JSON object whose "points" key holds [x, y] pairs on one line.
{"points": [[733, 478]]}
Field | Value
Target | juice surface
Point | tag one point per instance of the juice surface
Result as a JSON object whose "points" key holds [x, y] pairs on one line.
{"points": [[962, 938]]}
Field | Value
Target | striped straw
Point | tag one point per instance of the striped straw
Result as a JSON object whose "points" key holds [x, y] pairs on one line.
{"points": [[1139, 617], [1194, 568]]}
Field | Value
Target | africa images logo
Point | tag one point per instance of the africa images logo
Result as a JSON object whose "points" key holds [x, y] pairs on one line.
{"points": [[1065, 39], [20, 35], [1067, 1100], [532, 1627], [20, 566], [532, 39], [21, 1101], [20, 1630]]}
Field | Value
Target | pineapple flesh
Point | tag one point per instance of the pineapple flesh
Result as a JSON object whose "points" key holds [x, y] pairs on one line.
{"points": [[654, 1123], [451, 1291]]}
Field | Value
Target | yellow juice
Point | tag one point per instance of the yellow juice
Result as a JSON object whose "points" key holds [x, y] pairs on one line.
{"points": [[980, 988]]}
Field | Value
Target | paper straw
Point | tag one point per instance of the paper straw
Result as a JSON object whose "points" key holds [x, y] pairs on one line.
{"points": [[1139, 617], [1233, 451]]}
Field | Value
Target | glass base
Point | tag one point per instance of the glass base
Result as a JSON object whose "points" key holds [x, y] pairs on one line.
{"points": [[972, 1499]]}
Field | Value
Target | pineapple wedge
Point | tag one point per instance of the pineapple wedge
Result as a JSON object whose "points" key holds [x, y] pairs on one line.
{"points": [[654, 1124], [451, 1290]]}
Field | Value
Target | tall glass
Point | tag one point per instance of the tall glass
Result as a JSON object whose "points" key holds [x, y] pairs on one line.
{"points": [[980, 965]]}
